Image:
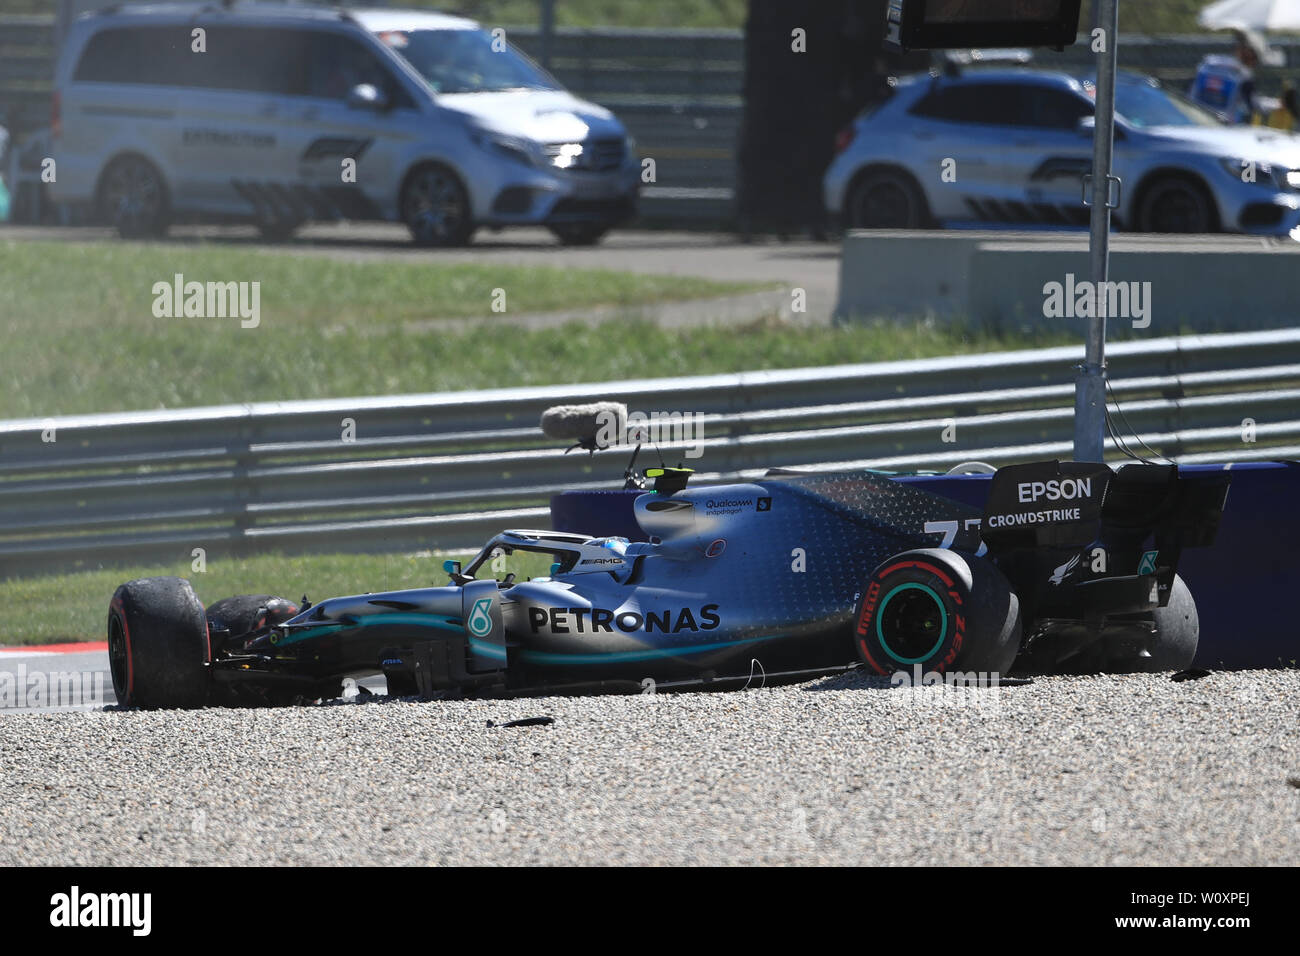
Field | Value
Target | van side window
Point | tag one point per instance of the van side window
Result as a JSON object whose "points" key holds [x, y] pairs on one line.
{"points": [[275, 61], [242, 59], [335, 63], [153, 55]]}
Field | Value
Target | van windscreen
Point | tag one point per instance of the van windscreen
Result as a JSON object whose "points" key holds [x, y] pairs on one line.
{"points": [[467, 61]]}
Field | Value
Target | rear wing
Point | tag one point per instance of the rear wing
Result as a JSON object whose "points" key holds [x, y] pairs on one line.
{"points": [[1142, 515]]}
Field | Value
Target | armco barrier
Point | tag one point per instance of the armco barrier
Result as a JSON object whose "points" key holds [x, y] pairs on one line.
{"points": [[444, 471], [1242, 585]]}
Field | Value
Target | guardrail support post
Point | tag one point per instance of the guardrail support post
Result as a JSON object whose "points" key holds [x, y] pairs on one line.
{"points": [[1090, 386]]}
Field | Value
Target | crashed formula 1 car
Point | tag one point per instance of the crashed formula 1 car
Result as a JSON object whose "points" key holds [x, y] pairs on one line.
{"points": [[1072, 567]]}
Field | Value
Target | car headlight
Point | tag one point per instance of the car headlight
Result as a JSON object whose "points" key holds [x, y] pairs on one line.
{"points": [[1252, 173], [507, 146], [564, 155]]}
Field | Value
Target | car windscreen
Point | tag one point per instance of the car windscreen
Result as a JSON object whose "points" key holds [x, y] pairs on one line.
{"points": [[1143, 105], [466, 61]]}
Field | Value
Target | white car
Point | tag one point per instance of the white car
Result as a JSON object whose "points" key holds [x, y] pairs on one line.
{"points": [[283, 114], [1013, 145]]}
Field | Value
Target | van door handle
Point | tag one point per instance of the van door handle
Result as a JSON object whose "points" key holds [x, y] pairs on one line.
{"points": [[312, 113]]}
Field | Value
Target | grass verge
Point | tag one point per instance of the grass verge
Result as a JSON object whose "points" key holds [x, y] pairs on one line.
{"points": [[80, 334], [73, 607]]}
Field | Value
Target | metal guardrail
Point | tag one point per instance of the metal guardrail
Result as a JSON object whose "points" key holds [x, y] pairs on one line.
{"points": [[447, 470]]}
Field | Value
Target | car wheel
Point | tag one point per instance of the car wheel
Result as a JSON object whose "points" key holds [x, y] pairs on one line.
{"points": [[579, 233], [1176, 204], [941, 611], [1165, 641], [435, 207], [133, 197], [278, 230], [885, 199], [158, 649]]}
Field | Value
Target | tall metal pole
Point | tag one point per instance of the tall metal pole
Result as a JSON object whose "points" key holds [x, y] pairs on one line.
{"points": [[546, 30], [1090, 386]]}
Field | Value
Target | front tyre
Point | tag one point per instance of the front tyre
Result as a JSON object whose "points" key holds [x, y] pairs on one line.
{"points": [[435, 207], [579, 233], [158, 648], [1176, 204], [278, 230], [885, 199], [938, 610]]}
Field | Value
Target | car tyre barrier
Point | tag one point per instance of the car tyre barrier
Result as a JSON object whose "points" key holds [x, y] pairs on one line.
{"points": [[941, 611], [158, 646]]}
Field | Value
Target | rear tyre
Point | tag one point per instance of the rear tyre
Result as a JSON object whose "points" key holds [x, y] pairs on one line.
{"points": [[158, 649], [1169, 646], [133, 197], [938, 610], [579, 233], [435, 207], [885, 199]]}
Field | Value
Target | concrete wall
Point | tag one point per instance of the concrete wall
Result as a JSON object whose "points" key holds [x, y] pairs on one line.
{"points": [[997, 280]]}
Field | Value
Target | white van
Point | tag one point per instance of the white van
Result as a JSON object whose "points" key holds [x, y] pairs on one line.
{"points": [[283, 114]]}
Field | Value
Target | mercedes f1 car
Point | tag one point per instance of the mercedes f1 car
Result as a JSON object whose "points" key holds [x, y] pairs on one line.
{"points": [[1072, 567]]}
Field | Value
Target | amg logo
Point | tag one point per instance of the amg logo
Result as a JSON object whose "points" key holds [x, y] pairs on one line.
{"points": [[592, 620], [75, 909], [1065, 489]]}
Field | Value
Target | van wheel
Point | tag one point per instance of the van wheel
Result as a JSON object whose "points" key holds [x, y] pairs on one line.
{"points": [[133, 197], [435, 207]]}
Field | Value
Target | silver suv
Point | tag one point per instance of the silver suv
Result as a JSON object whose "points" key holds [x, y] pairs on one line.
{"points": [[1013, 146], [283, 114]]}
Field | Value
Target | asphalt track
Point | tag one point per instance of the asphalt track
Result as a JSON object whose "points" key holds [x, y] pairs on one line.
{"points": [[1095, 771]]}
